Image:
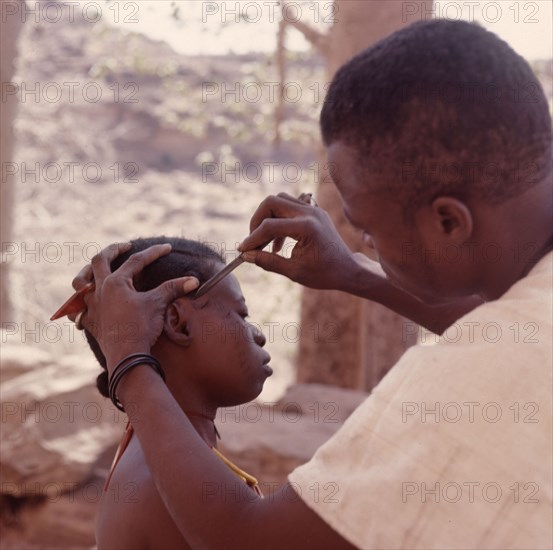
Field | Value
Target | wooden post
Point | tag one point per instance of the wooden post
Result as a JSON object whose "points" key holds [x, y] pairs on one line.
{"points": [[10, 28], [347, 341]]}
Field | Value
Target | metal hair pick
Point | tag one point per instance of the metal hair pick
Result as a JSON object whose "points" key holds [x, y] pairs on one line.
{"points": [[210, 283]]}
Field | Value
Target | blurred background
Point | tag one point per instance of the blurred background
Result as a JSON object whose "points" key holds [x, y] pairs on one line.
{"points": [[136, 118]]}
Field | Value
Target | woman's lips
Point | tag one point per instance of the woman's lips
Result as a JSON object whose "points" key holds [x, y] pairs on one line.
{"points": [[267, 369]]}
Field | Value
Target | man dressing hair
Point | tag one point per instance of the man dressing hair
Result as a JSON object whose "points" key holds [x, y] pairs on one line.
{"points": [[439, 139]]}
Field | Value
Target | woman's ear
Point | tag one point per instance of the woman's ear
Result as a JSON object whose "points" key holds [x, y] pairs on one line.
{"points": [[176, 325], [447, 220]]}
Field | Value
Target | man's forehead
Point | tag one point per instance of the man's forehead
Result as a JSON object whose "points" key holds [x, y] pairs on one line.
{"points": [[345, 170], [345, 174]]}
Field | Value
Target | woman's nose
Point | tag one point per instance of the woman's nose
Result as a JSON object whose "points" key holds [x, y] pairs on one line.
{"points": [[258, 336], [369, 243], [367, 239]]}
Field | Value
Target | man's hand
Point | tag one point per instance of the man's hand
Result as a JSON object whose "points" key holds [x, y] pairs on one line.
{"points": [[122, 320], [320, 259]]}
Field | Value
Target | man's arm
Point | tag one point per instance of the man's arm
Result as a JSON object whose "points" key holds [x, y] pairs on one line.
{"points": [[322, 260], [210, 505], [367, 280]]}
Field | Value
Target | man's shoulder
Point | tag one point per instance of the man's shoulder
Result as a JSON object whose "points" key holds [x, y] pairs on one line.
{"points": [[457, 430], [519, 322]]}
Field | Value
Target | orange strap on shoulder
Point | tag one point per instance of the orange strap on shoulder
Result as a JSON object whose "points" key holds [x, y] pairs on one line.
{"points": [[127, 435], [123, 444]]}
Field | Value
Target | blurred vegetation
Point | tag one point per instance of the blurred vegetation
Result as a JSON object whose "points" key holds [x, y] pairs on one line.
{"points": [[225, 104]]}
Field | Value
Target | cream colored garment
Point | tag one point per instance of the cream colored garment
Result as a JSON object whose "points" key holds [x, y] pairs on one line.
{"points": [[476, 472]]}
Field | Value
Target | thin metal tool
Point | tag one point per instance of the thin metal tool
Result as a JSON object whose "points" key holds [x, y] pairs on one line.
{"points": [[210, 283]]}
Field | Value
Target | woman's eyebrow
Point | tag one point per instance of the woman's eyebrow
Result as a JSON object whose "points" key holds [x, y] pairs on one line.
{"points": [[201, 303]]}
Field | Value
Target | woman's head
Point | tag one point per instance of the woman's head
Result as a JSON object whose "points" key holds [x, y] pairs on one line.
{"points": [[208, 341]]}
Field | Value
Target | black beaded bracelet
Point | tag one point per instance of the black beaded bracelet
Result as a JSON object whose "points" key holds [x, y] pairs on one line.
{"points": [[124, 366]]}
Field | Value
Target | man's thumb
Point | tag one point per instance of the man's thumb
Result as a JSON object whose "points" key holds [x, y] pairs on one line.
{"points": [[189, 284]]}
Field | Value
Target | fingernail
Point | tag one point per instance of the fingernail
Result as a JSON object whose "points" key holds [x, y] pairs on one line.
{"points": [[249, 256], [190, 284]]}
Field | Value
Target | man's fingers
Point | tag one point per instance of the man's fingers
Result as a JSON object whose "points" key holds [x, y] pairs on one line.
{"points": [[278, 243], [269, 261], [276, 207], [86, 274], [169, 291], [290, 198], [137, 262], [279, 229], [101, 263], [84, 277], [190, 284]]}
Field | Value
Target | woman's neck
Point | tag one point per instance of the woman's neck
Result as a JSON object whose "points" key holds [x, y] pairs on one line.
{"points": [[196, 407], [204, 425], [188, 392]]}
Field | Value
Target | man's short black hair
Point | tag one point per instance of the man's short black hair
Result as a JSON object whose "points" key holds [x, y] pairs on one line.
{"points": [[441, 107], [187, 258]]}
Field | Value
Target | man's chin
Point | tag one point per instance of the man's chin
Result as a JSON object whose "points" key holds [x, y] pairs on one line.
{"points": [[427, 296], [433, 299]]}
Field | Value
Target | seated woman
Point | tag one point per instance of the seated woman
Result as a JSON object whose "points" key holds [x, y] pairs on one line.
{"points": [[212, 357]]}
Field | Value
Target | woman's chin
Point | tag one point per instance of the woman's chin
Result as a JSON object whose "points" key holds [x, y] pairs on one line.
{"points": [[245, 396]]}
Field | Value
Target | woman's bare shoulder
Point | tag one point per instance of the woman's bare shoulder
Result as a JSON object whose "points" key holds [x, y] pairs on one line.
{"points": [[131, 513]]}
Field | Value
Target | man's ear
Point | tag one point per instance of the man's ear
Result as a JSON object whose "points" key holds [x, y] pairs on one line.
{"points": [[176, 326], [446, 220]]}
